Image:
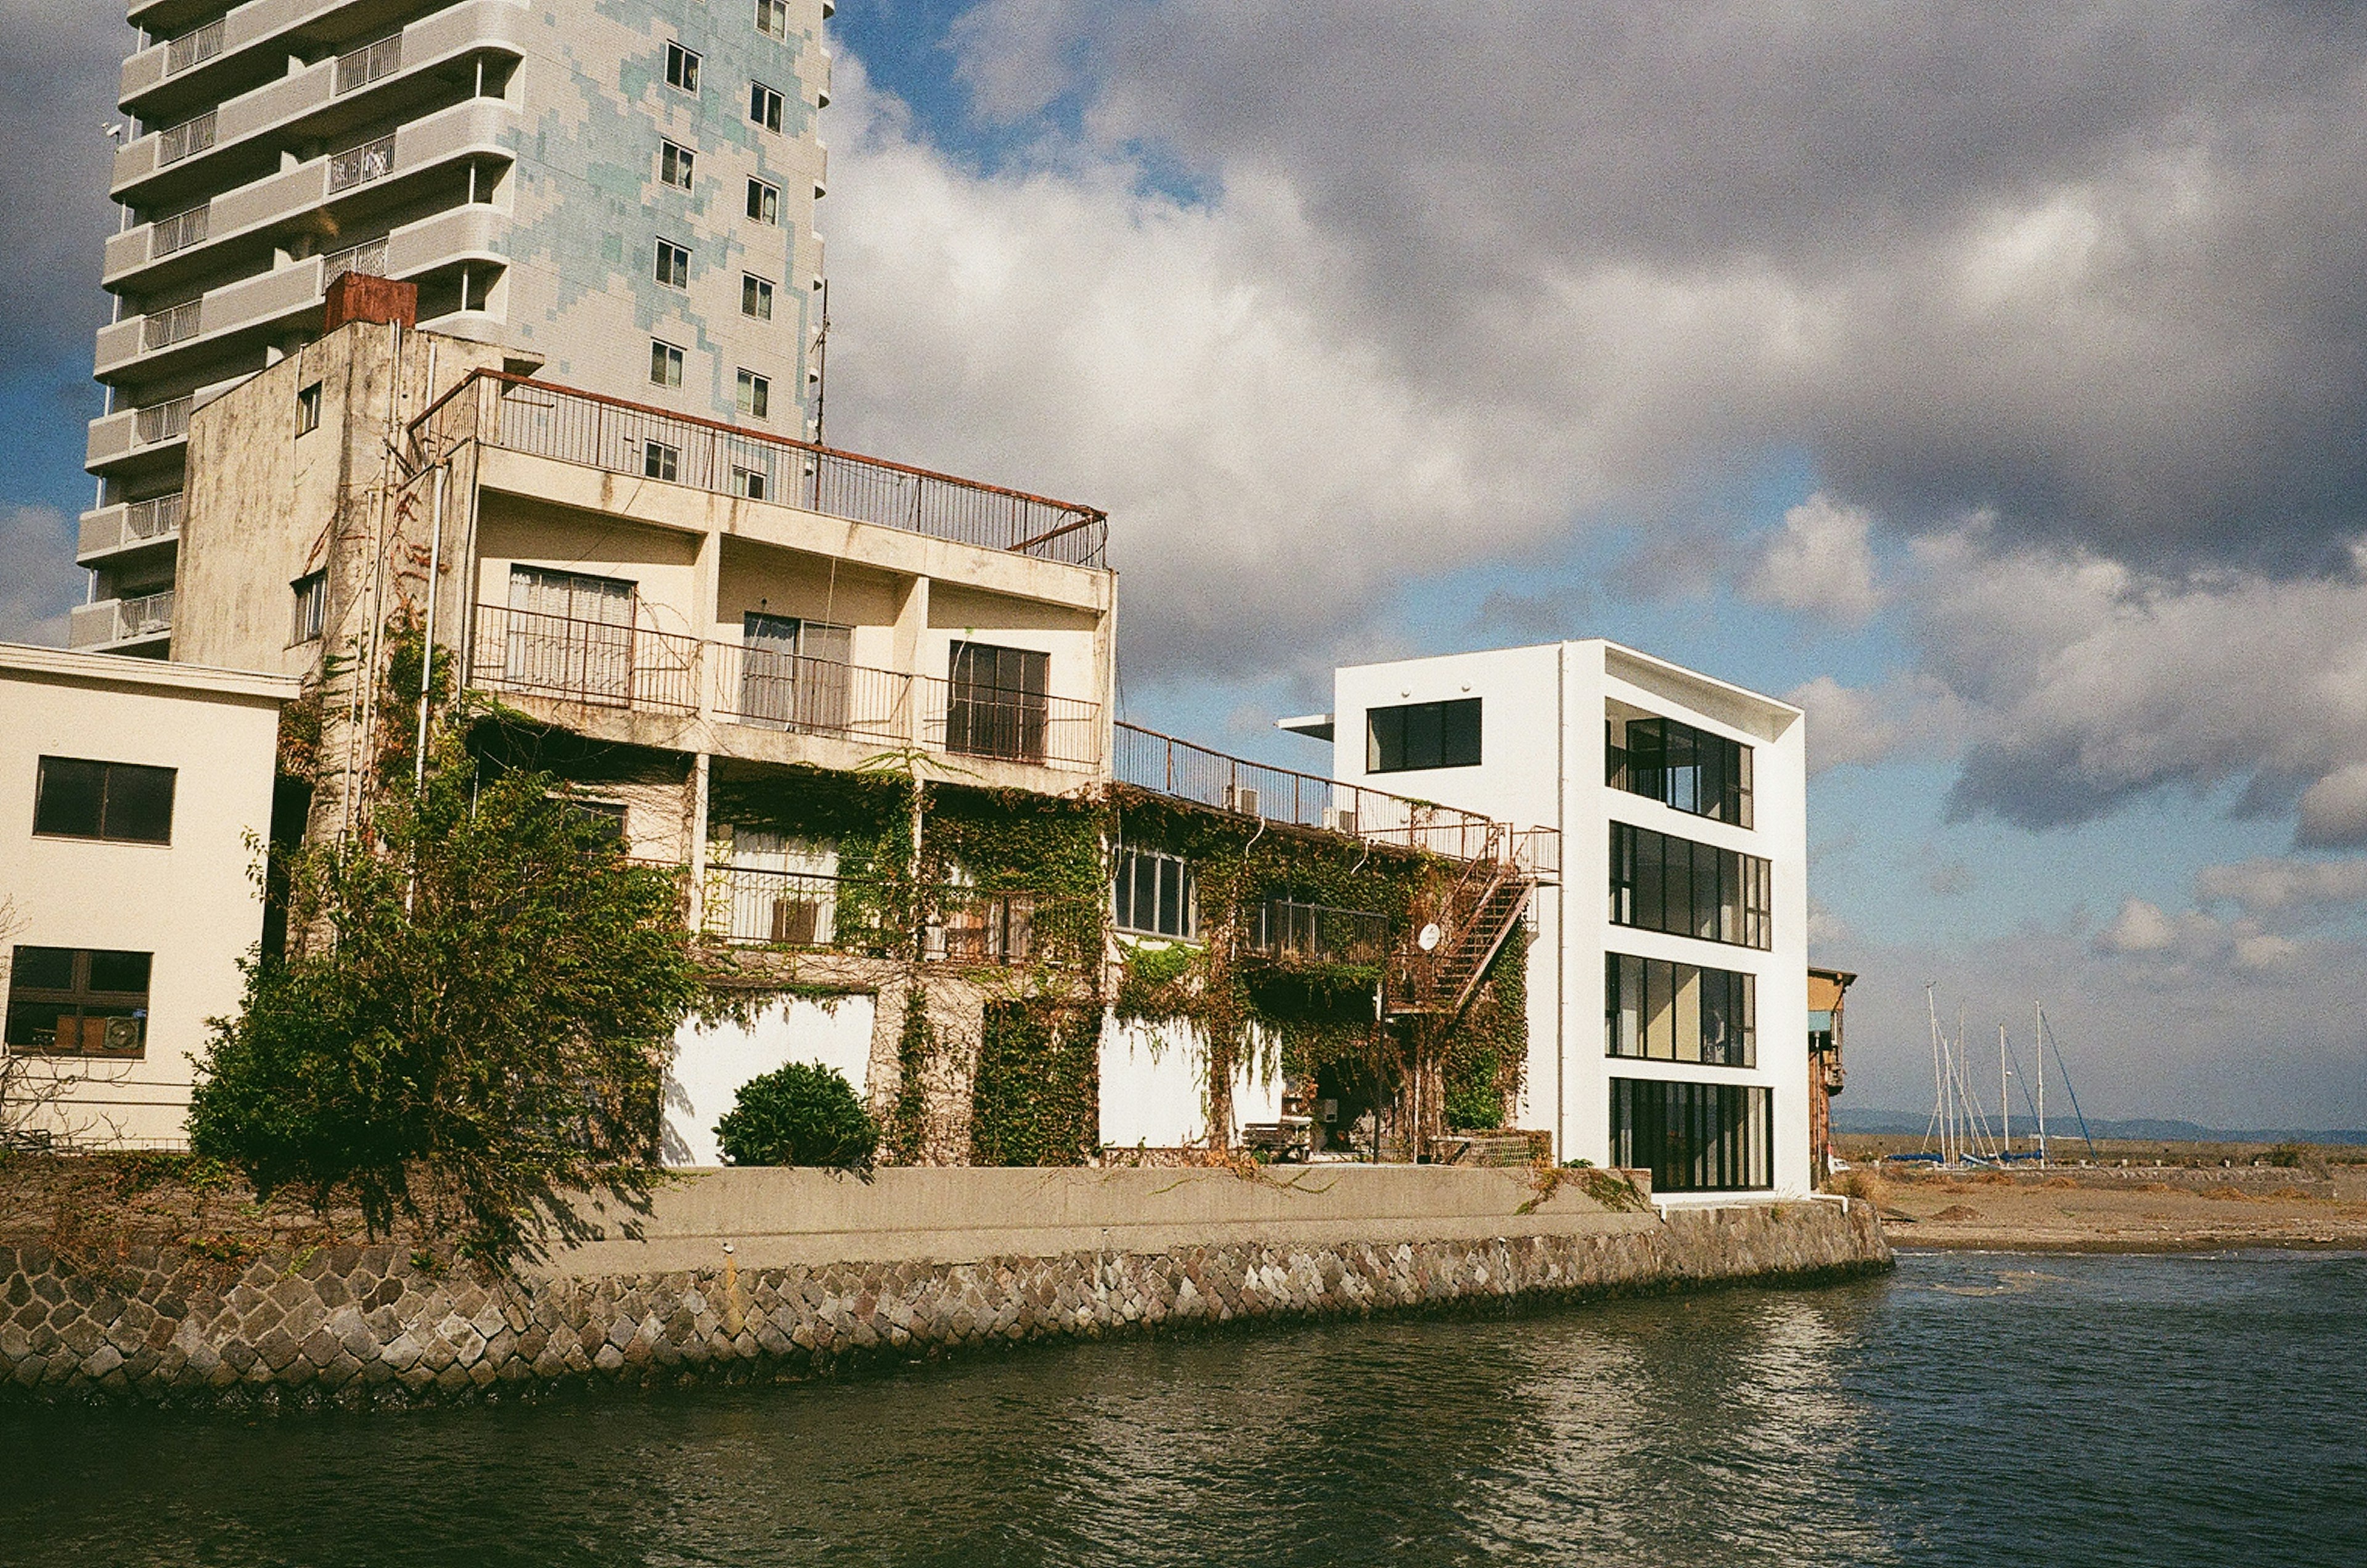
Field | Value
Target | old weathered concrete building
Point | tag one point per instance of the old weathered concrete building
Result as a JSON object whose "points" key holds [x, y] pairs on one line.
{"points": [[620, 198]]}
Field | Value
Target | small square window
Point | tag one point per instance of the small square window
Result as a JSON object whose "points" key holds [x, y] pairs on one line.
{"points": [[755, 297], [659, 461], [674, 164], [763, 106], [308, 408], [749, 483], [673, 265], [772, 18], [764, 202], [682, 68], [755, 395], [665, 364], [311, 613]]}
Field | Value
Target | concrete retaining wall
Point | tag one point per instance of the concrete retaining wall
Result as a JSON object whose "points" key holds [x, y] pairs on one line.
{"points": [[948, 1260]]}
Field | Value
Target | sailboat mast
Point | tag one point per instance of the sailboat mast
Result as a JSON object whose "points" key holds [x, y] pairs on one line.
{"points": [[2005, 1106], [2038, 1043]]}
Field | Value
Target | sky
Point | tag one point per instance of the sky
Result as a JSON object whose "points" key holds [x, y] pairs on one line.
{"points": [[1990, 381]]}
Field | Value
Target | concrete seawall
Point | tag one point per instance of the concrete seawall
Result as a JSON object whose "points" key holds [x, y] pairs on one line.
{"points": [[760, 1275]]}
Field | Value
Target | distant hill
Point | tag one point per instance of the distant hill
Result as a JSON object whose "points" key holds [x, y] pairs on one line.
{"points": [[1866, 1118]]}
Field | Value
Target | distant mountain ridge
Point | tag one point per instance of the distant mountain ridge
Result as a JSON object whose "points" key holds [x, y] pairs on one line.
{"points": [[1866, 1118]]}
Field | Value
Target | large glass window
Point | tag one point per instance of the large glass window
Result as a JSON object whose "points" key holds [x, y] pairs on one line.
{"points": [[1695, 1138], [1659, 882], [69, 1001], [1679, 1012], [1672, 763], [998, 702], [76, 799], [1422, 735], [795, 674], [1154, 894]]}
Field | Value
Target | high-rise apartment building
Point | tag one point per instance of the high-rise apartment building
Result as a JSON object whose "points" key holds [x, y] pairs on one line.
{"points": [[618, 197]]}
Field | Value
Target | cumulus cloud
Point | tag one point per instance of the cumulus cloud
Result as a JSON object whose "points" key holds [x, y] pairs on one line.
{"points": [[40, 581], [2194, 941], [1821, 563], [2282, 886]]}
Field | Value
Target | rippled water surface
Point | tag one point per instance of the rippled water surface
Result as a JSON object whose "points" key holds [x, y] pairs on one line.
{"points": [[1990, 1409]]}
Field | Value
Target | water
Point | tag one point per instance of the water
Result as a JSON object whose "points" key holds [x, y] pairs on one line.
{"points": [[1990, 1409]]}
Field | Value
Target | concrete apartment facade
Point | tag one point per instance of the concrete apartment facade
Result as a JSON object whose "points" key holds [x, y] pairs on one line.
{"points": [[128, 792], [621, 200], [1540, 737]]}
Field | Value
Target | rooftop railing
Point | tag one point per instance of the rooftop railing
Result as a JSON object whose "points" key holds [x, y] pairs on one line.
{"points": [[519, 414]]}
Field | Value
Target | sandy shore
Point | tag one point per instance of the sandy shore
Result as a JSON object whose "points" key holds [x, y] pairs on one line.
{"points": [[2137, 1211]]}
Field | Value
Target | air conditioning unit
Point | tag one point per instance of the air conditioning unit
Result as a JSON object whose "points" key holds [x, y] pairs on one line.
{"points": [[121, 1037], [1339, 819], [1242, 798]]}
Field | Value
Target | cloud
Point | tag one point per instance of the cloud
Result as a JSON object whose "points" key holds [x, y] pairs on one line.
{"points": [[55, 160], [2280, 887], [41, 583], [1875, 724], [1821, 564], [2194, 942], [2139, 927]]}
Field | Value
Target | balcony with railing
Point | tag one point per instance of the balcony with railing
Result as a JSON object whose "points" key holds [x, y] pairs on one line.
{"points": [[121, 623], [597, 664], [128, 525], [517, 414], [811, 912], [1293, 932]]}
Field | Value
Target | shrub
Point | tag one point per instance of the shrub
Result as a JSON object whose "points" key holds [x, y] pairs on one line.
{"points": [[799, 1114]]}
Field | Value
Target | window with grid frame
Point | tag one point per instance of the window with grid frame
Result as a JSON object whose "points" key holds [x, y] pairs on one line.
{"points": [[998, 702], [123, 803], [70, 1002], [674, 164], [661, 461], [1153, 893]]}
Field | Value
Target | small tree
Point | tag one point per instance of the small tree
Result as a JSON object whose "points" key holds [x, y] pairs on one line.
{"points": [[799, 1114], [475, 1014]]}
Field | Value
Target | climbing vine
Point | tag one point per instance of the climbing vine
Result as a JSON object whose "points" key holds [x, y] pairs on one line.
{"points": [[1036, 1100]]}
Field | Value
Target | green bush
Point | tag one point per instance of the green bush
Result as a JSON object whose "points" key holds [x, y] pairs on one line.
{"points": [[799, 1114]]}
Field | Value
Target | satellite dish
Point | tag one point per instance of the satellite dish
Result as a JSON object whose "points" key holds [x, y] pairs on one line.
{"points": [[1429, 938]]}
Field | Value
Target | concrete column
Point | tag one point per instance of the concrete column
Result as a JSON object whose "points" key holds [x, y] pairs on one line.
{"points": [[699, 770], [911, 631]]}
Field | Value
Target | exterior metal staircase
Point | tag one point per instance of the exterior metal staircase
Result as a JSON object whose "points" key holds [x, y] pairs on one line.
{"points": [[1479, 915]]}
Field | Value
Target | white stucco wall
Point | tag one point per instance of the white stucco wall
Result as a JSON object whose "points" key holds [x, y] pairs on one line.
{"points": [[710, 1064], [1153, 1087]]}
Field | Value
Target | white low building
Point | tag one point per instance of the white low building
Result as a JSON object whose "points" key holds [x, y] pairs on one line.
{"points": [[1669, 974], [132, 794]]}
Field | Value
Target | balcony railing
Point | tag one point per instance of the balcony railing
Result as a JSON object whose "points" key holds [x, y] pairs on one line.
{"points": [[366, 64], [751, 906], [522, 415], [93, 626], [194, 48], [368, 258], [164, 328], [1317, 933], [185, 140], [178, 232], [604, 665], [154, 518], [360, 165], [164, 421]]}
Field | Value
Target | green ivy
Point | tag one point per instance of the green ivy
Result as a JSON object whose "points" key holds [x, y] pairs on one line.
{"points": [[1037, 1099]]}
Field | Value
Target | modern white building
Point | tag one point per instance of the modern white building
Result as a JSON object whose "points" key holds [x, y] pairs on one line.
{"points": [[1668, 977], [618, 197], [132, 795]]}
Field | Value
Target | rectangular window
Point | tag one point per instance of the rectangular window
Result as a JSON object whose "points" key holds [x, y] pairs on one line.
{"points": [[665, 364], [998, 702], [308, 408], [569, 634], [764, 202], [1695, 1138], [1422, 735], [120, 802], [71, 1001], [659, 461], [755, 297], [773, 18], [1661, 883], [749, 483], [1665, 1011], [682, 68], [674, 164], [1154, 894], [311, 607], [673, 265], [1684, 767], [795, 674], [754, 395], [763, 106]]}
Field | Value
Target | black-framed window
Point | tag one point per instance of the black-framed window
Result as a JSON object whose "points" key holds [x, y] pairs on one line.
{"points": [[999, 702], [1671, 761], [71, 1002], [1661, 882], [1655, 1010], [309, 613], [1422, 735], [682, 68], [1155, 894], [1695, 1138], [75, 797]]}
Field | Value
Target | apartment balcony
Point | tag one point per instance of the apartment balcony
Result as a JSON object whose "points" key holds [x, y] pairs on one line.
{"points": [[1288, 931], [805, 911], [122, 625], [321, 102], [574, 670], [112, 533], [207, 60]]}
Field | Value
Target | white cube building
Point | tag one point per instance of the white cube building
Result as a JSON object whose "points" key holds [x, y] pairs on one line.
{"points": [[1669, 976]]}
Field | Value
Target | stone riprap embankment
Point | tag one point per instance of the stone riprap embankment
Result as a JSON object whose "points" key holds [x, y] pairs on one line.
{"points": [[731, 1289]]}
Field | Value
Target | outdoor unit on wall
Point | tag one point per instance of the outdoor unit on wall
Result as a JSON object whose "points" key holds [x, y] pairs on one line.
{"points": [[1242, 798], [1339, 819], [122, 1036]]}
